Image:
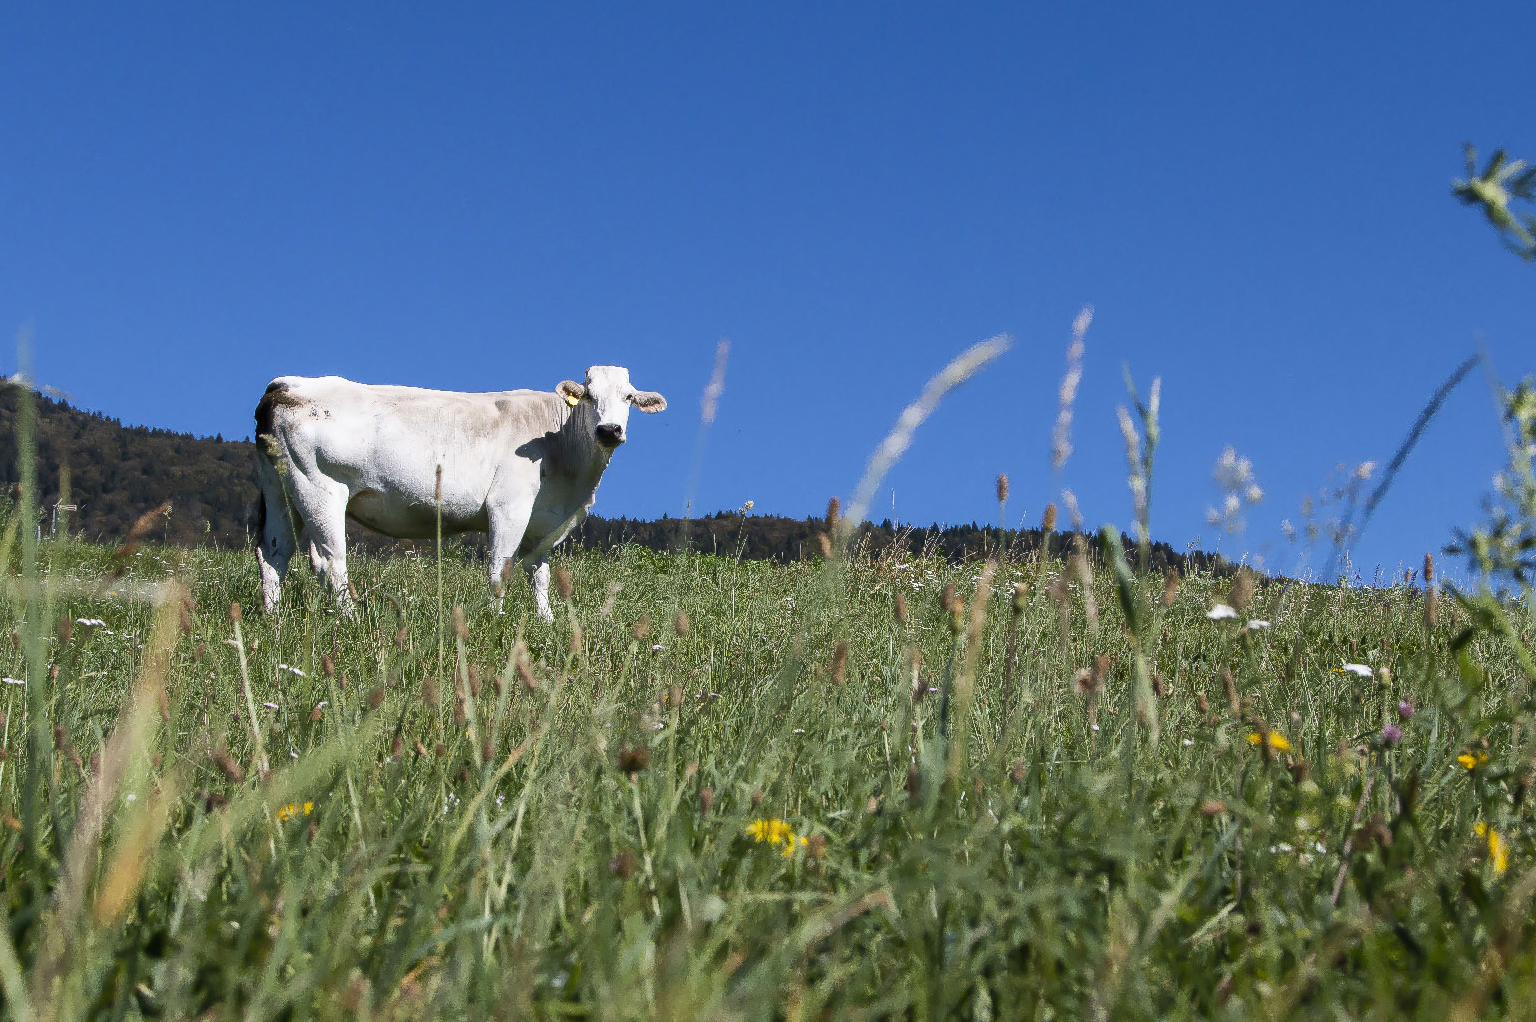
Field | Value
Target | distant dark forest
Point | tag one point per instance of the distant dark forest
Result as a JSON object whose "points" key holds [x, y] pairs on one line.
{"points": [[116, 473]]}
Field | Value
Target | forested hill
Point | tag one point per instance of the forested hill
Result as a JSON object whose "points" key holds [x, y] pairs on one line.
{"points": [[117, 473]]}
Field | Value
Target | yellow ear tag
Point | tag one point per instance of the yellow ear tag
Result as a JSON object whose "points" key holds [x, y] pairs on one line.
{"points": [[572, 400]]}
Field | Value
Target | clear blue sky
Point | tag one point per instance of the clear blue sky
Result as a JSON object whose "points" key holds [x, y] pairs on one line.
{"points": [[199, 197]]}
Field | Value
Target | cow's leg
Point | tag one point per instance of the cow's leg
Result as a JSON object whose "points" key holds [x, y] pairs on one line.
{"points": [[538, 579], [508, 524], [325, 530], [277, 542]]}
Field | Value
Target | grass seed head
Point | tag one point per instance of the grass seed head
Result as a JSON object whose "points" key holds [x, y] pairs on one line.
{"points": [[633, 760], [706, 801], [681, 623], [460, 629], [899, 609], [563, 584], [834, 512], [234, 612], [1020, 599], [1048, 520], [524, 669], [328, 666], [1002, 487], [1170, 586], [227, 764], [1242, 589], [840, 664], [622, 865], [641, 627], [376, 698]]}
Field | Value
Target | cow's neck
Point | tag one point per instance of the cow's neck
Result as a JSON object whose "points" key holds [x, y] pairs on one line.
{"points": [[580, 457]]}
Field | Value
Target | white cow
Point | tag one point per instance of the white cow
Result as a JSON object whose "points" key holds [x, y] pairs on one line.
{"points": [[522, 465]]}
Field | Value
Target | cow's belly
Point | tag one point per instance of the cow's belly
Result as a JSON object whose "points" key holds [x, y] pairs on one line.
{"points": [[408, 520]]}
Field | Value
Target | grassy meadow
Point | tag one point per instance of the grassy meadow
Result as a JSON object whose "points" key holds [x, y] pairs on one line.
{"points": [[866, 788]]}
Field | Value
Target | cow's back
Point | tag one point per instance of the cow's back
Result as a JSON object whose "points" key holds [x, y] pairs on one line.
{"points": [[387, 442]]}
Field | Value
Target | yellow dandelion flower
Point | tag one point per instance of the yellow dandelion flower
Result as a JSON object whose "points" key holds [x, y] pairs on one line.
{"points": [[1498, 850], [775, 832], [292, 810], [1472, 760], [1277, 741]]}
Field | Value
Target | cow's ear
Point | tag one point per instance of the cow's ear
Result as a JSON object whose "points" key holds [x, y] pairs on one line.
{"points": [[571, 391], [648, 401]]}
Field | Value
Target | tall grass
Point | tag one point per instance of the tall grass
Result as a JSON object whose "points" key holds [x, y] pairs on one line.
{"points": [[891, 787]]}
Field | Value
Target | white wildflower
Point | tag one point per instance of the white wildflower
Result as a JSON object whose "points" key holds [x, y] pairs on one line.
{"points": [[1360, 670], [1221, 612]]}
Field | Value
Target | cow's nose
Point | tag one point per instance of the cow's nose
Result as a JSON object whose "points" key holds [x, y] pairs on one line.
{"points": [[611, 434]]}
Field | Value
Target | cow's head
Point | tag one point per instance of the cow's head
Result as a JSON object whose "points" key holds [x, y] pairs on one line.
{"points": [[610, 394]]}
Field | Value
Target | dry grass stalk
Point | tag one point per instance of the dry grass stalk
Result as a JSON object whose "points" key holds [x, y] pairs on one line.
{"points": [[1066, 396], [965, 680], [126, 750], [1084, 572], [896, 442]]}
